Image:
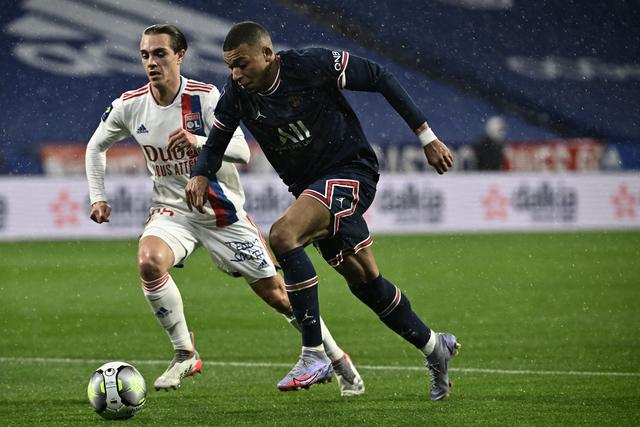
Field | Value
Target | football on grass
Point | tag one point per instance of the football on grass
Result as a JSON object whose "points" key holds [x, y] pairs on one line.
{"points": [[117, 390]]}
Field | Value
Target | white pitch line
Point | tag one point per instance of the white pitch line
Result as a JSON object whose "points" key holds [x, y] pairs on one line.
{"points": [[25, 360]]}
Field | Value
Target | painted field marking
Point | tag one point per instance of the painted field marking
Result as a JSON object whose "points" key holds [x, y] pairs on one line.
{"points": [[63, 360]]}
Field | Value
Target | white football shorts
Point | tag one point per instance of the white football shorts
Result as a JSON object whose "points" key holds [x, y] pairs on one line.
{"points": [[237, 249]]}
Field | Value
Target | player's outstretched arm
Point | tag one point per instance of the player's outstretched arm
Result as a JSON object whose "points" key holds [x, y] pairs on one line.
{"points": [[95, 165], [363, 75], [110, 130], [436, 152]]}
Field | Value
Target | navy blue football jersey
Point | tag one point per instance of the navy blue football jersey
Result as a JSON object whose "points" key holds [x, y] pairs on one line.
{"points": [[303, 123]]}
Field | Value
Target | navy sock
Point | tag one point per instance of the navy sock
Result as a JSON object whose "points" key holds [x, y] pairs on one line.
{"points": [[394, 309], [301, 283]]}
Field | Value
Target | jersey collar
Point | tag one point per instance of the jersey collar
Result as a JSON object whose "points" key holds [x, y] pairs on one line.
{"points": [[180, 88], [276, 82]]}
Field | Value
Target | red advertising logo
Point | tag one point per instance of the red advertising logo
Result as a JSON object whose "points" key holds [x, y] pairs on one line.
{"points": [[495, 204], [65, 210], [624, 203]]}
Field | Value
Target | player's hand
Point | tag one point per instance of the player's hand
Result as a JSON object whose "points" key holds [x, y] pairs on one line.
{"points": [[181, 139], [100, 212], [196, 192], [438, 156]]}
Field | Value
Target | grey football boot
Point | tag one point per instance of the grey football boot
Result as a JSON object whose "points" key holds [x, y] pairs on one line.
{"points": [[437, 364]]}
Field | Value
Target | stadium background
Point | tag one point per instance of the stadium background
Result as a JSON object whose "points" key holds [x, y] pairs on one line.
{"points": [[568, 97], [563, 75]]}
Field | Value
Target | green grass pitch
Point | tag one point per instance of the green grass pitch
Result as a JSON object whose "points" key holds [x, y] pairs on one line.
{"points": [[550, 327]]}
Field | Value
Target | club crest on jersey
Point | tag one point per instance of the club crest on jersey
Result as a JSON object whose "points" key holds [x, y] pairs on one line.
{"points": [[192, 122], [295, 101]]}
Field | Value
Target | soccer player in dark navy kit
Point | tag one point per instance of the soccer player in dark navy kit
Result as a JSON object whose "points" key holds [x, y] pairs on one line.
{"points": [[292, 104]]}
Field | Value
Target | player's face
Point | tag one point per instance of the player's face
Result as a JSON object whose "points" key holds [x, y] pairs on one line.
{"points": [[250, 65], [161, 63]]}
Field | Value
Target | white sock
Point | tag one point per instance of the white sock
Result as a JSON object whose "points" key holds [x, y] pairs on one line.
{"points": [[330, 347], [319, 349], [166, 303], [430, 345]]}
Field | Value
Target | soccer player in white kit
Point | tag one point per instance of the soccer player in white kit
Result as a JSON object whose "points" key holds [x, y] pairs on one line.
{"points": [[170, 118]]}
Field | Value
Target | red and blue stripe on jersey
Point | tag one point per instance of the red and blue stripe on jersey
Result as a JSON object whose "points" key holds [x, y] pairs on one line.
{"points": [[223, 207]]}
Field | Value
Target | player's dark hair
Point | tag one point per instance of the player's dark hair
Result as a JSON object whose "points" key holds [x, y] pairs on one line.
{"points": [[248, 32], [178, 40]]}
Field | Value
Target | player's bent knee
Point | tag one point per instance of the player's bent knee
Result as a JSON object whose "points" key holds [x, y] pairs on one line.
{"points": [[281, 238], [151, 265]]}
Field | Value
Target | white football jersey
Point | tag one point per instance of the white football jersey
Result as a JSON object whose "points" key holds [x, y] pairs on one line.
{"points": [[137, 114]]}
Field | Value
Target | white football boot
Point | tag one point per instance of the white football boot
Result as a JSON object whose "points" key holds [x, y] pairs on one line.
{"points": [[184, 364], [349, 379]]}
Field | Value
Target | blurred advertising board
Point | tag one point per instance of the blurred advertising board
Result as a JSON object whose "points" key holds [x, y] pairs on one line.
{"points": [[551, 155], [579, 154], [67, 159], [58, 208]]}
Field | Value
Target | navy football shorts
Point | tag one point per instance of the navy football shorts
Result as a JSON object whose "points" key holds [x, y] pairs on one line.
{"points": [[347, 193]]}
